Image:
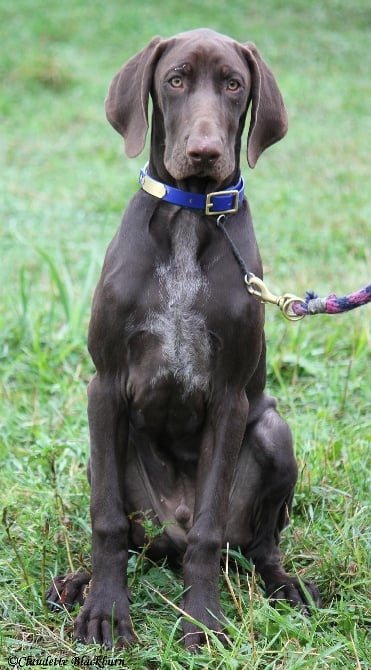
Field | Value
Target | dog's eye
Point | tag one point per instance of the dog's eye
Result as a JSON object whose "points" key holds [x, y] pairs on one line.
{"points": [[233, 85], [176, 82]]}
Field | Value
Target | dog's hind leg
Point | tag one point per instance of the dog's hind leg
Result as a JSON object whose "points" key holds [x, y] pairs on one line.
{"points": [[260, 504]]}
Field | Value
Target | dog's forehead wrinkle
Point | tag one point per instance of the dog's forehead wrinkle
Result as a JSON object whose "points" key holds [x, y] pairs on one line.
{"points": [[195, 54], [181, 68]]}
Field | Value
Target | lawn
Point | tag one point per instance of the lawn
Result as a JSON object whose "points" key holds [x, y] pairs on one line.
{"points": [[65, 181]]}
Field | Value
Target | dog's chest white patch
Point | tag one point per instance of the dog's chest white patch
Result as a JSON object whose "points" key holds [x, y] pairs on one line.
{"points": [[181, 328]]}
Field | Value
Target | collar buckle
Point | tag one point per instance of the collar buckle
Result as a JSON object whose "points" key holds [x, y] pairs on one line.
{"points": [[210, 204]]}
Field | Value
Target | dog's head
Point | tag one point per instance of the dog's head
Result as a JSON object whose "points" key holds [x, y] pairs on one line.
{"points": [[202, 84]]}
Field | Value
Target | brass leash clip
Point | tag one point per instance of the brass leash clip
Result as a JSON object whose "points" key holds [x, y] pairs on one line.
{"points": [[256, 286]]}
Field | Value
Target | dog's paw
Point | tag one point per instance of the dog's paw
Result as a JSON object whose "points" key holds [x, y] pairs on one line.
{"points": [[67, 591], [105, 620], [298, 592]]}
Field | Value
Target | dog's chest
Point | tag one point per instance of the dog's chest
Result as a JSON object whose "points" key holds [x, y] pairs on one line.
{"points": [[178, 323]]}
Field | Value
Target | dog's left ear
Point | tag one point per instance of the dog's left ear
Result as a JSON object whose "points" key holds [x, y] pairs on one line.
{"points": [[127, 99], [268, 113]]}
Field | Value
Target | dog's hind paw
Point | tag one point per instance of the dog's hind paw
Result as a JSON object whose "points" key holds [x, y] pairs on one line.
{"points": [[66, 591], [297, 592]]}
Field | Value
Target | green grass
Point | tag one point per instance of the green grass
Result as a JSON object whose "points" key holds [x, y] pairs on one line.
{"points": [[65, 182]]}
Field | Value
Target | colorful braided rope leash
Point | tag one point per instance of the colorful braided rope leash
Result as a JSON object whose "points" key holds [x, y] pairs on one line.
{"points": [[294, 308], [332, 304]]}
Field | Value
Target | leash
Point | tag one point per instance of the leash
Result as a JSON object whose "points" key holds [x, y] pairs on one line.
{"points": [[293, 307], [332, 304]]}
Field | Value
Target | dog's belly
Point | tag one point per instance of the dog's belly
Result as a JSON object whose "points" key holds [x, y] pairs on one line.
{"points": [[168, 390]]}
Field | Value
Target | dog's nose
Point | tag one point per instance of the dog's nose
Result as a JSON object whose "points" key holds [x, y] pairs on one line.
{"points": [[204, 148]]}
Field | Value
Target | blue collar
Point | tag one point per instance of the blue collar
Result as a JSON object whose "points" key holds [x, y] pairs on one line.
{"points": [[219, 202]]}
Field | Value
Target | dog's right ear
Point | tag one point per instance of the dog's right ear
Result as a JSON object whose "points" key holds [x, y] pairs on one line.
{"points": [[268, 113], [127, 99]]}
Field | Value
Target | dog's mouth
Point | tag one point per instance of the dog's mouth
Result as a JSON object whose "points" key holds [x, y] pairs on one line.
{"points": [[203, 179], [202, 175], [205, 182]]}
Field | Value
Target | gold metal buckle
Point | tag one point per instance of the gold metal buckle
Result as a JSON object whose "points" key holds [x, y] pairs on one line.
{"points": [[210, 204], [256, 286]]}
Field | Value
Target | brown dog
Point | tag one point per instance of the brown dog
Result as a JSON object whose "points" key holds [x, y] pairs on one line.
{"points": [[180, 426]]}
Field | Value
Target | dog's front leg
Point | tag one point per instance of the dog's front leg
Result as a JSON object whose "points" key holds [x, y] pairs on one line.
{"points": [[219, 451], [104, 618]]}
